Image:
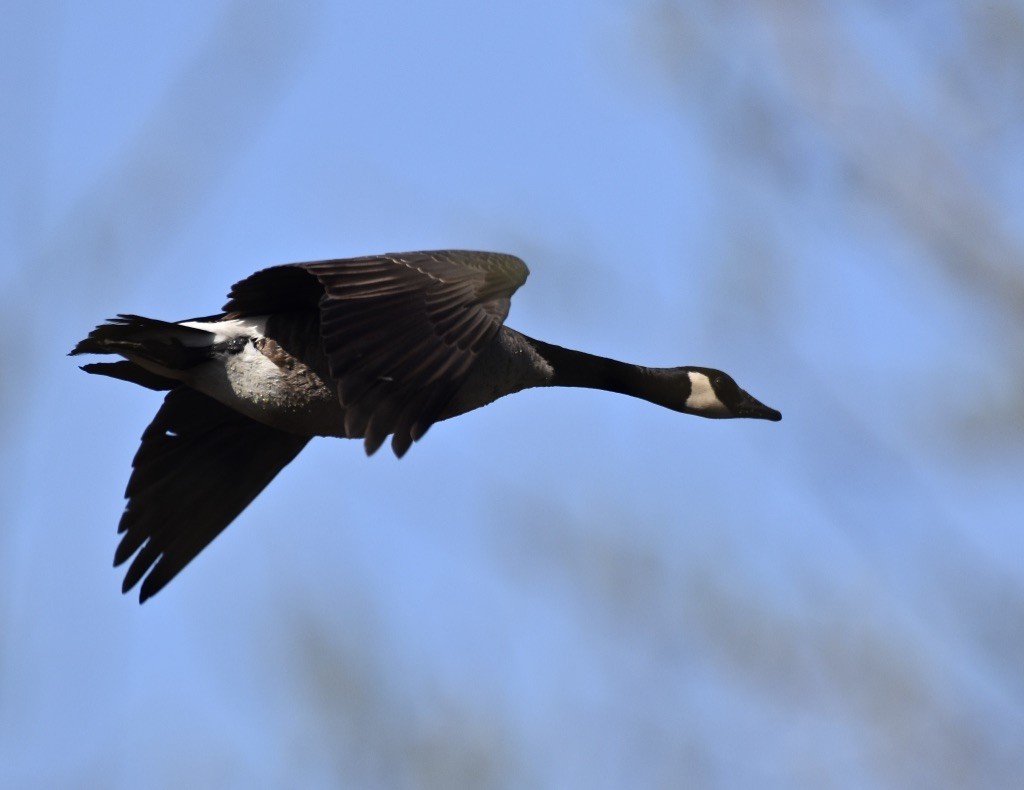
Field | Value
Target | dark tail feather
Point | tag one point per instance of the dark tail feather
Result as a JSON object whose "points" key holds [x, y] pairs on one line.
{"points": [[168, 344], [129, 371]]}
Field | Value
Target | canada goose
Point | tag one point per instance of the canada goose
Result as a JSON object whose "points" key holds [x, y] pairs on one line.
{"points": [[356, 348]]}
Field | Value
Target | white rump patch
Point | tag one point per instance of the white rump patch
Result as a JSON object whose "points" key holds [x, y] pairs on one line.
{"points": [[702, 395], [250, 326]]}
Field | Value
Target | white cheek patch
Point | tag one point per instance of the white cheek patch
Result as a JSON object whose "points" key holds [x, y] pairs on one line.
{"points": [[702, 395]]}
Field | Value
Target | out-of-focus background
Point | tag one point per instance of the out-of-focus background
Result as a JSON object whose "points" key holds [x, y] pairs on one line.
{"points": [[567, 589]]}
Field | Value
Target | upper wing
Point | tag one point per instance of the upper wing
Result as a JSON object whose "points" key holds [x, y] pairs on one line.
{"points": [[200, 464], [399, 331]]}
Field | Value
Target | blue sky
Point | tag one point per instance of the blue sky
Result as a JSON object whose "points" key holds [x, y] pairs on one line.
{"points": [[566, 589]]}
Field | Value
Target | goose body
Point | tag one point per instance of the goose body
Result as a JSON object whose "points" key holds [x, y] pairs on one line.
{"points": [[356, 348]]}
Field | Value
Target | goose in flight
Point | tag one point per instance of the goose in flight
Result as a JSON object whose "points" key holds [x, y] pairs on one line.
{"points": [[360, 348]]}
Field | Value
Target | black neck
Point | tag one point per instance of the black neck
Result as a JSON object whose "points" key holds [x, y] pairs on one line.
{"points": [[579, 369]]}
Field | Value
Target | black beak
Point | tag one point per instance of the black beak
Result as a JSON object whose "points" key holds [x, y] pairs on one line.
{"points": [[751, 407]]}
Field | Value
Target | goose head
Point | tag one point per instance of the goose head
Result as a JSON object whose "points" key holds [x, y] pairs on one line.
{"points": [[707, 392]]}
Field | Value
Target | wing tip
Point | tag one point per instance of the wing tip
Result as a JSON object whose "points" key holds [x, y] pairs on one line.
{"points": [[400, 443], [372, 443], [151, 582], [148, 589]]}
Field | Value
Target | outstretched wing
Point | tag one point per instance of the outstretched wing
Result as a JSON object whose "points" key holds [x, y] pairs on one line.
{"points": [[200, 464], [399, 331]]}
